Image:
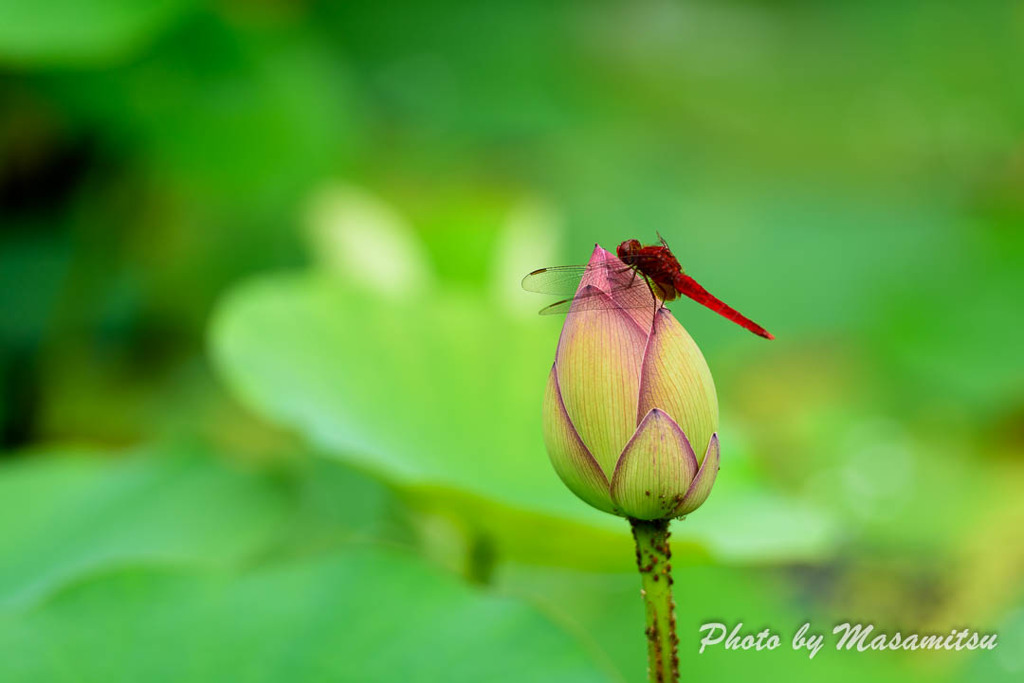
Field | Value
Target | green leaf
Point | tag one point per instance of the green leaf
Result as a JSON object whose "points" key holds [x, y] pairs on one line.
{"points": [[64, 515], [442, 393], [68, 32], [363, 616]]}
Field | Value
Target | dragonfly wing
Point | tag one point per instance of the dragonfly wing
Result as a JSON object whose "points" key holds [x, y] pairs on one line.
{"points": [[559, 308], [610, 284], [590, 300], [566, 280], [558, 280], [629, 294]]}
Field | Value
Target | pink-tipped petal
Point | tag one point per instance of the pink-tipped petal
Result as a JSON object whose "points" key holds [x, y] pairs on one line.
{"points": [[595, 276], [610, 275], [655, 470], [598, 363], [572, 461], [702, 483], [675, 378]]}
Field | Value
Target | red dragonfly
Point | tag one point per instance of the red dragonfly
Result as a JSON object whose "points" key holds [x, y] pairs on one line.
{"points": [[642, 276]]}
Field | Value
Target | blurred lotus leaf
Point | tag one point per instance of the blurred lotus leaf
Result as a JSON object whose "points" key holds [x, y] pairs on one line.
{"points": [[441, 393], [133, 569]]}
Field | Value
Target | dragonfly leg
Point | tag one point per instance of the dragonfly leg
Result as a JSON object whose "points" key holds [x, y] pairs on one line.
{"points": [[658, 303], [632, 278]]}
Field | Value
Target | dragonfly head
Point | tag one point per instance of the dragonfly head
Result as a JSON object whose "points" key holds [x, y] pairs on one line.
{"points": [[627, 250]]}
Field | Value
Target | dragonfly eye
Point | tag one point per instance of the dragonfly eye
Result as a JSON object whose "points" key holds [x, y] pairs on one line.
{"points": [[627, 249]]}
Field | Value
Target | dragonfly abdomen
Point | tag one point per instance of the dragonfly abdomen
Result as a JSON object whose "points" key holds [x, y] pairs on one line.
{"points": [[691, 288]]}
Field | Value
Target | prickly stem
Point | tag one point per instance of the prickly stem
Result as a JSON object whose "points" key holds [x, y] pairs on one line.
{"points": [[653, 560]]}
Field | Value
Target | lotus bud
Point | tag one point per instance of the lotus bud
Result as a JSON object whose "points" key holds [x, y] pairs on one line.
{"points": [[630, 412]]}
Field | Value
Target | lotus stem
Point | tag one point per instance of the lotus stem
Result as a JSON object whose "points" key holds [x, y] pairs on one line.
{"points": [[652, 559]]}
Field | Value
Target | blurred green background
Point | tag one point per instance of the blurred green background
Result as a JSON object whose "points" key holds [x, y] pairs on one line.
{"points": [[270, 392]]}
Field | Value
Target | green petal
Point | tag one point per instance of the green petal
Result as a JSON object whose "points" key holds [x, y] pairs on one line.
{"points": [[598, 362], [675, 378], [702, 483], [574, 464], [655, 469]]}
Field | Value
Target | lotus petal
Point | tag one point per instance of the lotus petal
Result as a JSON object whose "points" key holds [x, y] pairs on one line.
{"points": [[655, 470], [700, 488], [598, 362], [572, 461], [675, 378]]}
